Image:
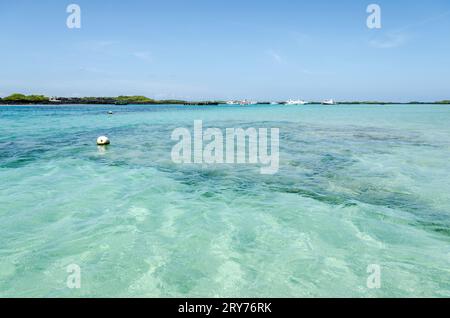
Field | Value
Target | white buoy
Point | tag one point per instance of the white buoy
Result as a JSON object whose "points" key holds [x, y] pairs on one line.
{"points": [[110, 112], [103, 140]]}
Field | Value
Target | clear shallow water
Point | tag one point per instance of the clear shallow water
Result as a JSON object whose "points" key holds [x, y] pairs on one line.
{"points": [[357, 185]]}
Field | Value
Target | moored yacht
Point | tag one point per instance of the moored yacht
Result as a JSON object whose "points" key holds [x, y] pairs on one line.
{"points": [[296, 102], [329, 102], [247, 102]]}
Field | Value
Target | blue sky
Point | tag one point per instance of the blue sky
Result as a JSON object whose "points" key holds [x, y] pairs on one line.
{"points": [[228, 49]]}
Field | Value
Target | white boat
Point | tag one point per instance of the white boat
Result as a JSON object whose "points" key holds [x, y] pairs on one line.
{"points": [[296, 102], [231, 102], [247, 102], [329, 102], [274, 103]]}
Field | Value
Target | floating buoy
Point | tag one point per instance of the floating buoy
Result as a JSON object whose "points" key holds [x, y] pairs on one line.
{"points": [[102, 141], [110, 112]]}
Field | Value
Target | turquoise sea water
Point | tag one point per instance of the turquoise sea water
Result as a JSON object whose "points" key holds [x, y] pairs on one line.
{"points": [[357, 185]]}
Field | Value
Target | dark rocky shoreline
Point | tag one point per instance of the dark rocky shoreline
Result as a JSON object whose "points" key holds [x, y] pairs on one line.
{"points": [[19, 99]]}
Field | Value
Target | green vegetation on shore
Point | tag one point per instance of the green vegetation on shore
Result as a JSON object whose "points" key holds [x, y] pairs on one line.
{"points": [[20, 99], [26, 99], [135, 99]]}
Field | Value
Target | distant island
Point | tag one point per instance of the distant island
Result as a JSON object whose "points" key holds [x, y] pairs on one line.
{"points": [[21, 99]]}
